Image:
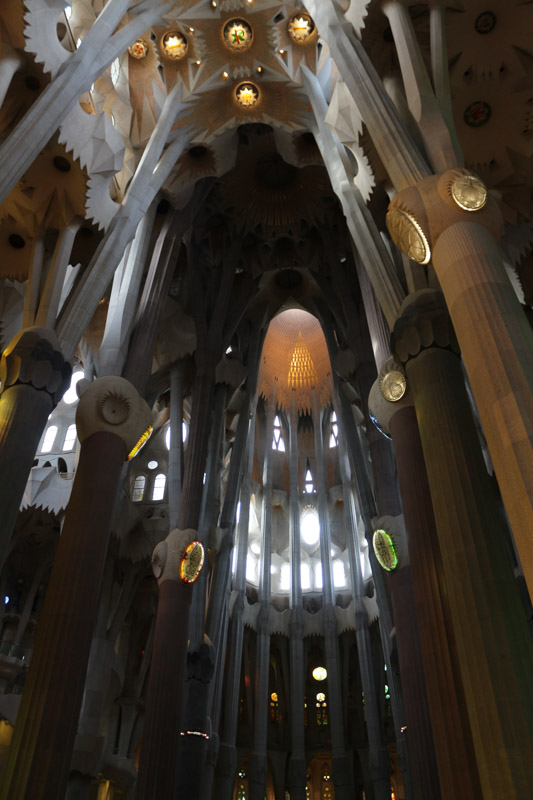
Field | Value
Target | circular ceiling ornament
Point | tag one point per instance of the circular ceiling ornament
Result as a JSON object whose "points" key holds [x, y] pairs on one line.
{"points": [[477, 113], [469, 192], [320, 673], [407, 234], [485, 22], [192, 562], [385, 550], [174, 45], [237, 35], [247, 95], [138, 49], [393, 385], [300, 28]]}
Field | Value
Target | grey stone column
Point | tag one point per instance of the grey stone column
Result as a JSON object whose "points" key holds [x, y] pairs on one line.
{"points": [[257, 760], [175, 453], [34, 376], [341, 767], [226, 768], [297, 763]]}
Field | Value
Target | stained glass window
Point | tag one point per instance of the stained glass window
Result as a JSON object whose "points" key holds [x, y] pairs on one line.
{"points": [[138, 488], [277, 439]]}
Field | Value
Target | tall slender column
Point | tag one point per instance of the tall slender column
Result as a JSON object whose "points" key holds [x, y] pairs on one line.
{"points": [[257, 760], [33, 376], [175, 453], [440, 140], [341, 768], [397, 150], [227, 760], [379, 759], [457, 770], [297, 763], [494, 646], [110, 418]]}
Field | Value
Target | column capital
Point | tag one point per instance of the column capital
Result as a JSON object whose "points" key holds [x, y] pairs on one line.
{"points": [[113, 405], [388, 394], [33, 358], [424, 322], [420, 213]]}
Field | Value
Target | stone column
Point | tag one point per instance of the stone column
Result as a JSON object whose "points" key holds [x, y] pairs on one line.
{"points": [[110, 419], [452, 219], [494, 646], [340, 765], [175, 453], [227, 760], [297, 762], [379, 759], [33, 377], [457, 770], [257, 760]]}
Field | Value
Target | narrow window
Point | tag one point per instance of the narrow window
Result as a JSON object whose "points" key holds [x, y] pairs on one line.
{"points": [[339, 574], [306, 579], [334, 434], [49, 439], [309, 485], [285, 578], [321, 709], [70, 438], [158, 492], [277, 439], [310, 527], [138, 488]]}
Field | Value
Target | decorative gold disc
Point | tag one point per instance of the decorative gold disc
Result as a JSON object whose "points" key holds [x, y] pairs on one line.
{"points": [[192, 562], [138, 49], [469, 192], [393, 385], [407, 234], [385, 550]]}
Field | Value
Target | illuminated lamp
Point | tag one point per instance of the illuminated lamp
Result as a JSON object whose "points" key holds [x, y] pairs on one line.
{"points": [[174, 45], [300, 28], [320, 673], [247, 95], [138, 49]]}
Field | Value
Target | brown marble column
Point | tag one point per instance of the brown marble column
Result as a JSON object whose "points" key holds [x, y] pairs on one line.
{"points": [[454, 750], [42, 744], [494, 647], [34, 376]]}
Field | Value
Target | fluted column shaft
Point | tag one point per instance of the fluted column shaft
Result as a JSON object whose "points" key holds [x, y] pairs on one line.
{"points": [[175, 453], [494, 647], [454, 750]]}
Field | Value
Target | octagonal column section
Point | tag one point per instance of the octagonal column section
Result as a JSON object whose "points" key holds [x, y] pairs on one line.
{"points": [[110, 419]]}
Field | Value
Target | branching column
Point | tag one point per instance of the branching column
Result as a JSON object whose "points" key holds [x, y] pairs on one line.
{"points": [[110, 417]]}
